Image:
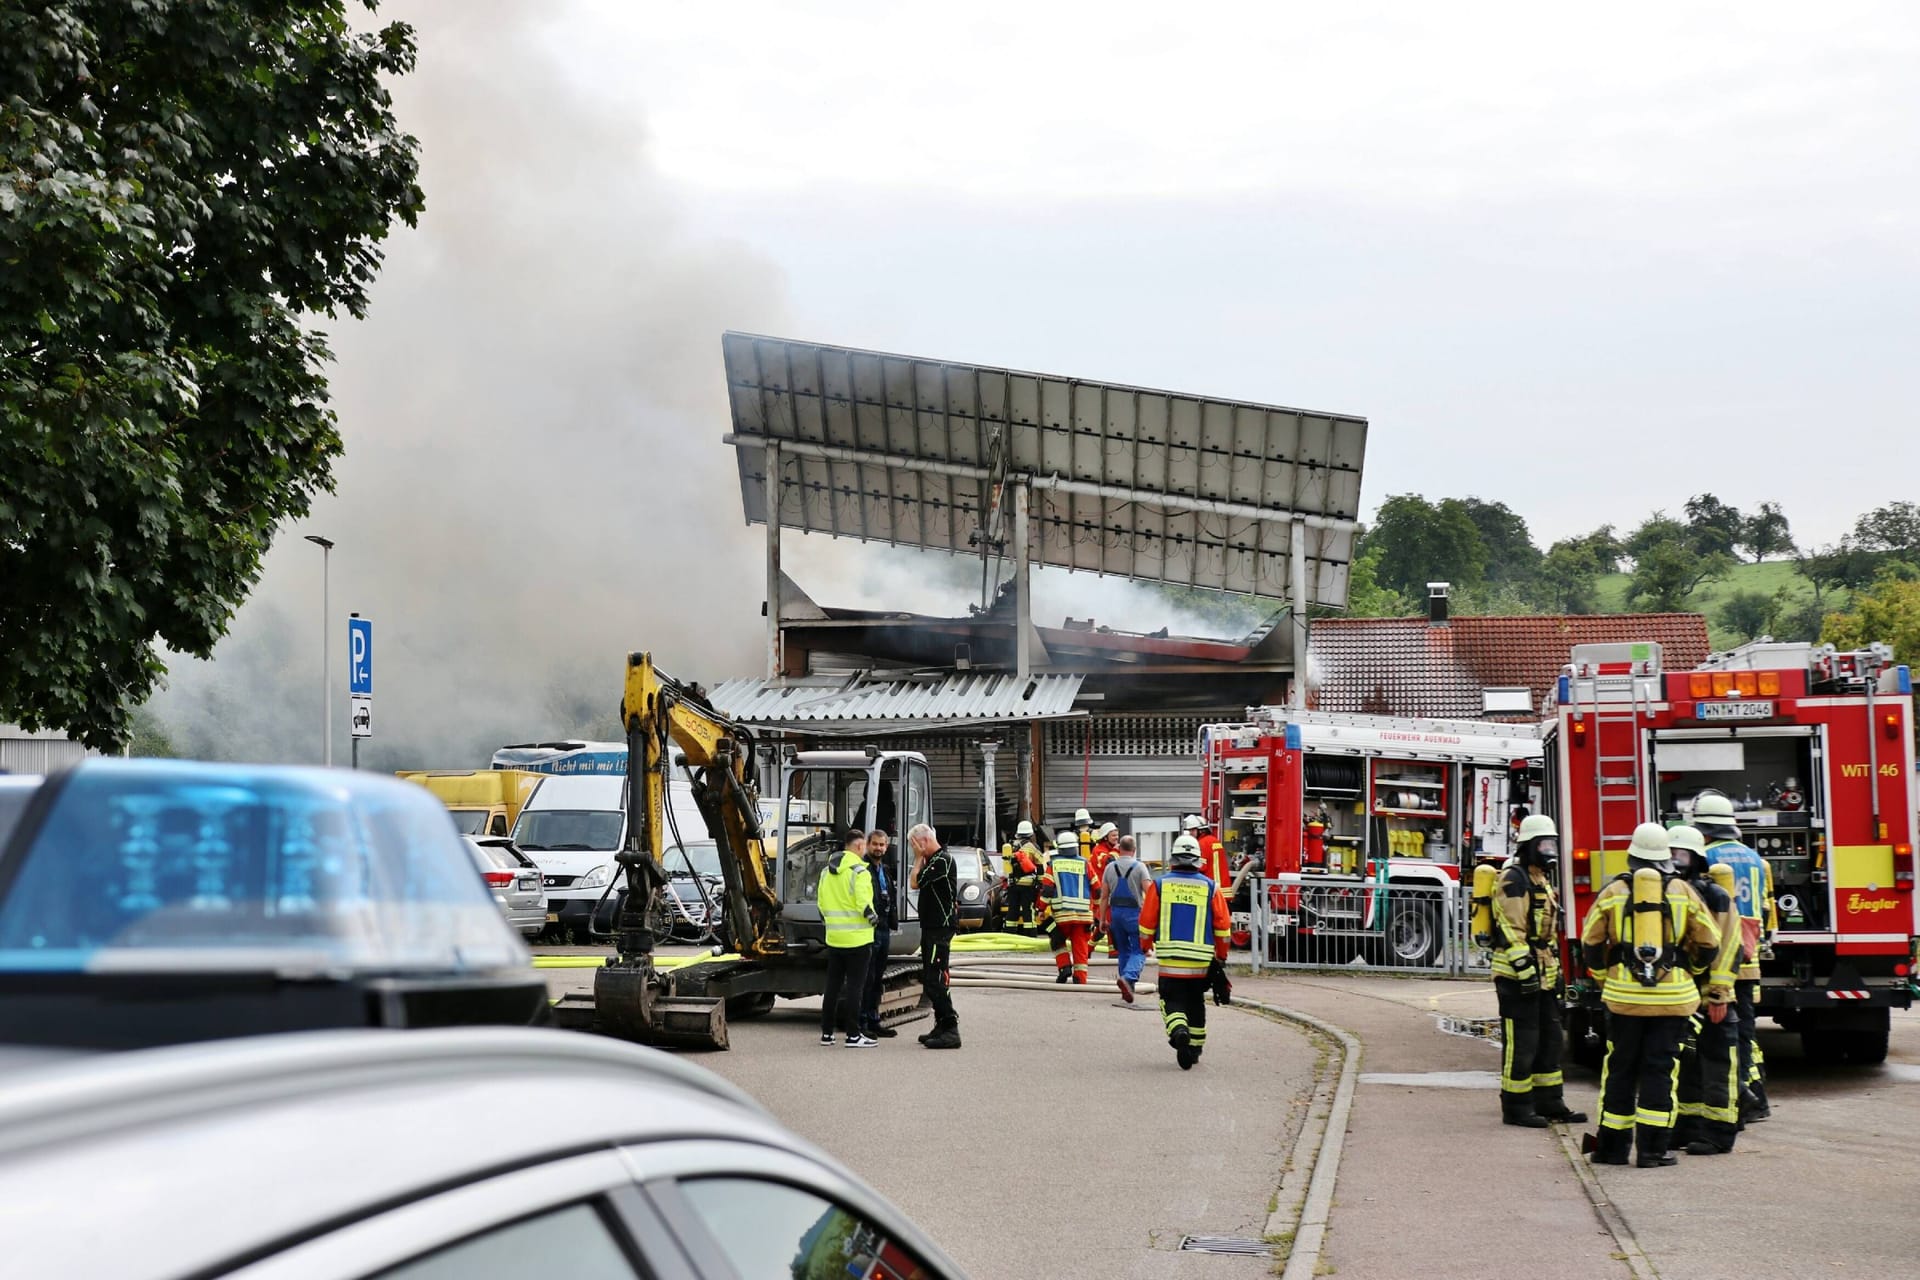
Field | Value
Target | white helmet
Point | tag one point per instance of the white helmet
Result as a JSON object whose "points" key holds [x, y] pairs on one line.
{"points": [[1106, 829], [1713, 807], [1649, 843], [1688, 842], [1194, 822], [1684, 837], [1024, 829], [1082, 818], [1067, 842], [1535, 825], [1185, 855]]}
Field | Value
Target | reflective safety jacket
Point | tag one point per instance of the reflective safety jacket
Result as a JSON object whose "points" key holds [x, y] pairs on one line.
{"points": [[1024, 867], [1607, 943], [1213, 859], [1066, 890], [1715, 980], [1526, 918], [846, 901], [1752, 901], [1186, 920]]}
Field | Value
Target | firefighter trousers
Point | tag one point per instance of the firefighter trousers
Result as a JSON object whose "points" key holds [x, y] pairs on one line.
{"points": [[1709, 1088], [1072, 942], [1637, 1082], [1183, 1006], [1530, 1077], [1752, 1071]]}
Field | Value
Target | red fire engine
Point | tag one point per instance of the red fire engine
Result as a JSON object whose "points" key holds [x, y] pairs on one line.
{"points": [[1335, 810], [1815, 749]]}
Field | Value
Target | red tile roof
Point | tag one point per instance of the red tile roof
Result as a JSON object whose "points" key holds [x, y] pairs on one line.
{"points": [[1408, 667]]}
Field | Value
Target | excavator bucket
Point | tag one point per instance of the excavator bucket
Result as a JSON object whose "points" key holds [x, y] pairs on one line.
{"points": [[628, 1005]]}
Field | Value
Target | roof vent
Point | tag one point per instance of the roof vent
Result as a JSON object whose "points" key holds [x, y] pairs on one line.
{"points": [[1437, 603]]}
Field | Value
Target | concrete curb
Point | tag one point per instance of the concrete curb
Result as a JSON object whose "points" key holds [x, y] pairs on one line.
{"points": [[1310, 1232], [1623, 1239]]}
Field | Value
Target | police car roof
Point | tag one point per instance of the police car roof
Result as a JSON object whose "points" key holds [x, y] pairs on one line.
{"points": [[208, 1153]]}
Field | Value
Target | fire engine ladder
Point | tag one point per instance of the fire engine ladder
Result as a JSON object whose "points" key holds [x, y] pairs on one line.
{"points": [[1619, 761]]}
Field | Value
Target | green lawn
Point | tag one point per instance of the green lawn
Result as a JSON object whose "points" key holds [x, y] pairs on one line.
{"points": [[1765, 578]]}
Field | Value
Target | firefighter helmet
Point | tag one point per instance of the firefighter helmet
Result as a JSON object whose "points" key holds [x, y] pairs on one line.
{"points": [[1067, 842], [1688, 848], [1081, 818], [1106, 829], [1024, 829], [1185, 855], [1712, 807], [1649, 843], [1536, 825], [1195, 822]]}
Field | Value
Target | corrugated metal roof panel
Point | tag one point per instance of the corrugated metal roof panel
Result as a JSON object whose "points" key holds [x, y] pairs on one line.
{"points": [[1155, 485], [981, 696]]}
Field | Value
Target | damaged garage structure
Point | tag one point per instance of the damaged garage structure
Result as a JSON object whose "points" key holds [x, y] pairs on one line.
{"points": [[1019, 471]]}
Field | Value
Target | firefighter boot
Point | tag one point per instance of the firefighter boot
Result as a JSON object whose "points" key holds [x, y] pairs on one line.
{"points": [[947, 1037], [1517, 1109], [1550, 1101], [1652, 1140], [1612, 1146]]}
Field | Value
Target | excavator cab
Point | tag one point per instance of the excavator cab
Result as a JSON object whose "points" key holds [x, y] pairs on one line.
{"points": [[830, 795]]}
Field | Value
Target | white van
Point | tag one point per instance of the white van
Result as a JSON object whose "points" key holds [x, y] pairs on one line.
{"points": [[573, 825]]}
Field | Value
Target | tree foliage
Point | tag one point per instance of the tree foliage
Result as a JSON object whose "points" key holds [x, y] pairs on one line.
{"points": [[1421, 542], [1890, 612], [184, 190], [1511, 558], [1366, 598], [1892, 530], [1570, 574], [1670, 560], [1713, 525], [1766, 533], [1749, 614]]}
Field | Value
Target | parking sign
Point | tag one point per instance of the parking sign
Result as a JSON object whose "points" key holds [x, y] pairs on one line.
{"points": [[360, 657]]}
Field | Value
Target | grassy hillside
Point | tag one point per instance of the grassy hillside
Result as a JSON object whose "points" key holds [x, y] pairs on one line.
{"points": [[1764, 578]]}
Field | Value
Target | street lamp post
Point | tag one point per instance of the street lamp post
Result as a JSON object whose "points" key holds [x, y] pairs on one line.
{"points": [[326, 645]]}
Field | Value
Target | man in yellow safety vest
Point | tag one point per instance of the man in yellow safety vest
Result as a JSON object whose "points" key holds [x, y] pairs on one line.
{"points": [[1185, 918], [846, 908], [1068, 895]]}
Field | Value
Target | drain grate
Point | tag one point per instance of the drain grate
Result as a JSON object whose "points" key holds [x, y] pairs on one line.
{"points": [[1473, 1028], [1245, 1246]]}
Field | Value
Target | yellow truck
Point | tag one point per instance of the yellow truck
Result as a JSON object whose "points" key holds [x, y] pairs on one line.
{"points": [[484, 802]]}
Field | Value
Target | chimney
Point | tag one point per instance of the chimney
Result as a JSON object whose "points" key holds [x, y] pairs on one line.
{"points": [[1437, 603]]}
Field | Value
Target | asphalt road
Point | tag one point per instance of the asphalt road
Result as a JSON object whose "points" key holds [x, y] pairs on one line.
{"points": [[1061, 1141]]}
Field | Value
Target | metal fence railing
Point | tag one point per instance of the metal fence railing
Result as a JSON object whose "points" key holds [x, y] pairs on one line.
{"points": [[1319, 922]]}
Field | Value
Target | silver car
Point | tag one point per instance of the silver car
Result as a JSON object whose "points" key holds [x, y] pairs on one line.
{"points": [[369, 1153], [514, 879]]}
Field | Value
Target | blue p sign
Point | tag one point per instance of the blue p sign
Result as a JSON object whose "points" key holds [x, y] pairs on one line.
{"points": [[360, 656]]}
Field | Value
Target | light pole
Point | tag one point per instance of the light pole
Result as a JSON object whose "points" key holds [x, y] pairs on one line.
{"points": [[326, 646]]}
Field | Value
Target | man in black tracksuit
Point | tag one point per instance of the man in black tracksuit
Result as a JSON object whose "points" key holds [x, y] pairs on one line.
{"points": [[938, 882]]}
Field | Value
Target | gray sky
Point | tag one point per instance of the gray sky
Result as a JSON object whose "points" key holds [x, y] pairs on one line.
{"points": [[1583, 263]]}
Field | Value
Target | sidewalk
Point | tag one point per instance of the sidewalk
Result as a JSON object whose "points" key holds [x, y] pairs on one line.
{"points": [[1431, 1182]]}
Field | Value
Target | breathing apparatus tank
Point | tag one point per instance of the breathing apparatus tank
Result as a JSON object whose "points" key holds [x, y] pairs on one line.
{"points": [[1722, 875], [1649, 917], [1485, 877]]}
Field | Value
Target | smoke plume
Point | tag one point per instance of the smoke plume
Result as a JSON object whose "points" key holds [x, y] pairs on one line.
{"points": [[534, 481]]}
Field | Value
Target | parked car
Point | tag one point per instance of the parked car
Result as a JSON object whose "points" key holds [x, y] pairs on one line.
{"points": [[514, 880], [655, 1167], [15, 790], [693, 907], [195, 901], [983, 888]]}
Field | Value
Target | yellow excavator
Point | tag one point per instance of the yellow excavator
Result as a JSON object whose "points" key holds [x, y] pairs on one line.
{"points": [[770, 877]]}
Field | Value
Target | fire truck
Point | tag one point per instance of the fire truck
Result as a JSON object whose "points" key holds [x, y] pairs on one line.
{"points": [[1815, 749], [1338, 811]]}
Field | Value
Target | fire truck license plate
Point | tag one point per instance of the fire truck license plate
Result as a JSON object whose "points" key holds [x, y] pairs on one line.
{"points": [[1735, 710]]}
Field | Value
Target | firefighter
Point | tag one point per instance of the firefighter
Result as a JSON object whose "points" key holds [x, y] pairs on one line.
{"points": [[1065, 890], [1106, 847], [1753, 903], [1185, 916], [1023, 880], [1526, 976], [1709, 1087], [1213, 858], [1639, 924]]}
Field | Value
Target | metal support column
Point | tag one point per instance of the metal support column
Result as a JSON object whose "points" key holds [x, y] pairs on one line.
{"points": [[772, 488], [1297, 599], [1022, 587], [990, 840]]}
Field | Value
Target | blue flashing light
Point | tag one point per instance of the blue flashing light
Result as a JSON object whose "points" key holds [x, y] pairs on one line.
{"points": [[1565, 690], [1293, 737], [1903, 675], [147, 865]]}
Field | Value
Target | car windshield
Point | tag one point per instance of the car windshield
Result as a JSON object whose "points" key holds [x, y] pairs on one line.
{"points": [[703, 854], [556, 829], [469, 822], [154, 865], [967, 863]]}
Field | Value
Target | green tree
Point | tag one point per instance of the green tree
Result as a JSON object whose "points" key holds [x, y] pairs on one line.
{"points": [[1511, 557], [1749, 614], [1842, 567], [1893, 529], [1422, 542], [1366, 598], [1766, 533], [1668, 565], [185, 190], [146, 736], [1570, 574], [1890, 612], [1713, 526]]}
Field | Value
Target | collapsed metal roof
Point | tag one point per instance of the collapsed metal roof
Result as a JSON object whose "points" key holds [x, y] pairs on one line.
{"points": [[1153, 485], [980, 697]]}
